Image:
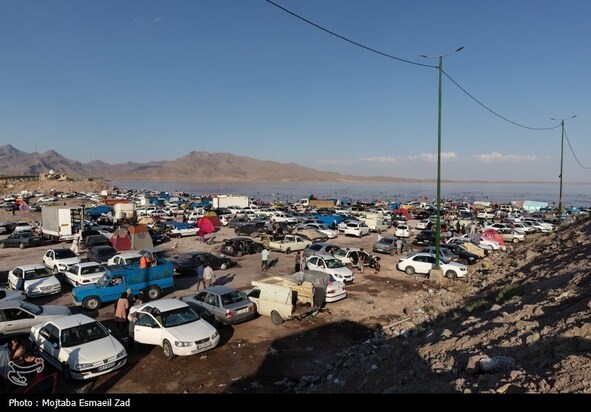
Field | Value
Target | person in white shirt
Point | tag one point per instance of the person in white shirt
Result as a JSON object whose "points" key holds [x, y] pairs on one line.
{"points": [[208, 275]]}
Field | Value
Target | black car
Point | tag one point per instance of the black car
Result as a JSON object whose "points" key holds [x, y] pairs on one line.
{"points": [[7, 227], [425, 238], [465, 257], [100, 254], [239, 246], [95, 240], [250, 228], [22, 240], [186, 264], [157, 237]]}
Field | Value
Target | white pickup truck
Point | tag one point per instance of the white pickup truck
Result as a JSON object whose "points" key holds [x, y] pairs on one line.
{"points": [[290, 243]]}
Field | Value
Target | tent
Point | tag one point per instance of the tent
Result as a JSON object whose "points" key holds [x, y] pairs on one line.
{"points": [[492, 234], [140, 237], [404, 212], [120, 240], [205, 226], [211, 216]]}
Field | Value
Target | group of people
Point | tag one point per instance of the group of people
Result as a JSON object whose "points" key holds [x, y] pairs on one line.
{"points": [[205, 275]]}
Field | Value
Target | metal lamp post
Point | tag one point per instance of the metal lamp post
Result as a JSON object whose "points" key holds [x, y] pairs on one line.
{"points": [[438, 199], [561, 163]]}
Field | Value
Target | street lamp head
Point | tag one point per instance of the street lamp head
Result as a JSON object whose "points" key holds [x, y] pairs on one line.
{"points": [[457, 50]]}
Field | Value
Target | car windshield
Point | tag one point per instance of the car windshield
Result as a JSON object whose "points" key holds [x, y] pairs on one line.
{"points": [[103, 281], [37, 273], [84, 333], [333, 263], [231, 298], [64, 254], [177, 317], [31, 307]]}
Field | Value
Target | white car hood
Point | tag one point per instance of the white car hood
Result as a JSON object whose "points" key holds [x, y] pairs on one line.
{"points": [[91, 352], [193, 331], [43, 282], [68, 261]]}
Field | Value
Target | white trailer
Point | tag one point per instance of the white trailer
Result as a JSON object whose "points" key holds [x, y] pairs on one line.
{"points": [[58, 222], [230, 200], [123, 211]]}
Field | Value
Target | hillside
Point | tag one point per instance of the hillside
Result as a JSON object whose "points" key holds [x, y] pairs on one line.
{"points": [[194, 167], [530, 317]]}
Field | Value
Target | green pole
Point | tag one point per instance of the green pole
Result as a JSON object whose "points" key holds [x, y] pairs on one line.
{"points": [[561, 162], [438, 198]]}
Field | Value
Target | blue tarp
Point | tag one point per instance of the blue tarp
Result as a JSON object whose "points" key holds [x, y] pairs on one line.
{"points": [[97, 211]]}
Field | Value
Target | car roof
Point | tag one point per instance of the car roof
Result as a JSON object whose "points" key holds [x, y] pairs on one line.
{"points": [[325, 256], [220, 290], [31, 266], [56, 249], [164, 305], [72, 320], [85, 264], [10, 303], [128, 254]]}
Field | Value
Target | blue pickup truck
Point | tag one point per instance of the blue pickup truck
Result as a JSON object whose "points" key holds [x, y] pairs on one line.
{"points": [[150, 282]]}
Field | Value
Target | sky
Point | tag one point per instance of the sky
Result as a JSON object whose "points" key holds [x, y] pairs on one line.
{"points": [[145, 80]]}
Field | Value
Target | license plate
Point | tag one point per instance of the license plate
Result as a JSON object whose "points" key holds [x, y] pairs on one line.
{"points": [[203, 345], [239, 311], [107, 366]]}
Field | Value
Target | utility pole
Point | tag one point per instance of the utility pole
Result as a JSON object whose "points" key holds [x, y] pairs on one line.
{"points": [[561, 164]]}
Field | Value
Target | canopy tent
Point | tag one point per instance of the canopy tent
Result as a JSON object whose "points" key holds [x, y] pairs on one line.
{"points": [[492, 234], [213, 218], [404, 212], [205, 226]]}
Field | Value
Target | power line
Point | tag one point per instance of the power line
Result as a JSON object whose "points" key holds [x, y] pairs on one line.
{"points": [[349, 40], [573, 152], [492, 111], [409, 62]]}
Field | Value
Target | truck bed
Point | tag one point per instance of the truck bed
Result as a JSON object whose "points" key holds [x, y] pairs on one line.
{"points": [[305, 290]]}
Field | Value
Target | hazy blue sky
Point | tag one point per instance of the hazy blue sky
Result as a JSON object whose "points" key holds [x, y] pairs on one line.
{"points": [[141, 80]]}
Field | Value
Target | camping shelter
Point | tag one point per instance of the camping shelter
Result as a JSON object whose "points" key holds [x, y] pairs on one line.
{"points": [[140, 237], [120, 240]]}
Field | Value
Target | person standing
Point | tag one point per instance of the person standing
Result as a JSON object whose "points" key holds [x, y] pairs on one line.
{"points": [[208, 275], [121, 311], [130, 298], [399, 245], [376, 264], [264, 258], [76, 244], [200, 279], [298, 260], [303, 261], [361, 260]]}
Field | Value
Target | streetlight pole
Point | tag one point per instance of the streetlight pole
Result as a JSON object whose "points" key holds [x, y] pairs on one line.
{"points": [[438, 198], [561, 163]]}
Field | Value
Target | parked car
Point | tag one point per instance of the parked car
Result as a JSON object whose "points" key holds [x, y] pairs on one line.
{"points": [[239, 246], [59, 259], [38, 281], [18, 317], [181, 229], [157, 238], [9, 294], [386, 245], [250, 228], [465, 257], [445, 252], [84, 273], [21, 240], [425, 238], [222, 305], [322, 227], [350, 257], [186, 263], [101, 254], [332, 266], [423, 263], [320, 248], [174, 325], [125, 258], [91, 241], [403, 230], [424, 224], [358, 229], [511, 235], [79, 346]]}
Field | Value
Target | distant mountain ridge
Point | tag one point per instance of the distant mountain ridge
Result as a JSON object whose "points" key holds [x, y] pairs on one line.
{"points": [[197, 166]]}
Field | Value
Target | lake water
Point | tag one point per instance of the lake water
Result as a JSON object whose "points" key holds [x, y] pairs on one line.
{"points": [[573, 194]]}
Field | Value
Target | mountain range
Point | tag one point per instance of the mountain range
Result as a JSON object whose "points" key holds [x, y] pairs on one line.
{"points": [[193, 167]]}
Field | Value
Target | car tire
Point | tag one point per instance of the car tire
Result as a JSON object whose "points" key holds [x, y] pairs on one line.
{"points": [[409, 270], [167, 349], [22, 245], [224, 266], [450, 274], [55, 270], [2, 246], [515, 240], [287, 251], [276, 318], [153, 293], [91, 303]]}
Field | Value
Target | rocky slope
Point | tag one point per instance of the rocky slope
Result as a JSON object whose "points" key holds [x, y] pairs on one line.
{"points": [[525, 327]]}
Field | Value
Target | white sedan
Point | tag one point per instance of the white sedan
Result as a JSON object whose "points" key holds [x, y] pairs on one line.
{"points": [[423, 263], [323, 228], [59, 259], [18, 317], [175, 326], [79, 346], [403, 231], [332, 266], [358, 229], [84, 273], [9, 294], [38, 281]]}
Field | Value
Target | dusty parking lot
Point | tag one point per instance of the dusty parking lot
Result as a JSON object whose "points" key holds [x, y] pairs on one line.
{"points": [[256, 356]]}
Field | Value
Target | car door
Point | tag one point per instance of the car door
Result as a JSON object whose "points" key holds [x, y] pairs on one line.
{"points": [[147, 330], [17, 321], [421, 264], [13, 277], [211, 303], [48, 343]]}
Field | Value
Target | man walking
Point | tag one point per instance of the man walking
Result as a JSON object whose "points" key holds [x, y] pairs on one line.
{"points": [[264, 259], [361, 260], [200, 279], [208, 275]]}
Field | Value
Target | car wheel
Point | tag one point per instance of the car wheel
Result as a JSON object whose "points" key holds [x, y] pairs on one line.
{"points": [[451, 274], [55, 270], [224, 266], [2, 245], [91, 303], [515, 240], [276, 318], [153, 292], [22, 245], [409, 270], [167, 349], [287, 251]]}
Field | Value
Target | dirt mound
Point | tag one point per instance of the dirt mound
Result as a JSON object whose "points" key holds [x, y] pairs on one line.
{"points": [[523, 328]]}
